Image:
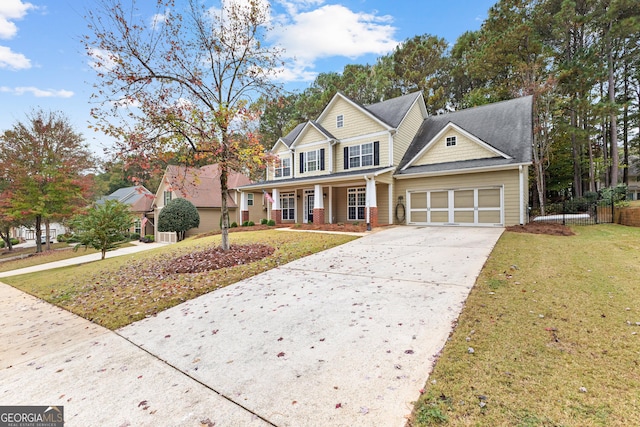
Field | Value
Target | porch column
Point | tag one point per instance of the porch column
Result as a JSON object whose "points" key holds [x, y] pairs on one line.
{"points": [[244, 207], [276, 210], [318, 205], [371, 204]]}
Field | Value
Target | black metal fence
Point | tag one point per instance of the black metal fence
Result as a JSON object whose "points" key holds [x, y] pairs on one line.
{"points": [[577, 212]]}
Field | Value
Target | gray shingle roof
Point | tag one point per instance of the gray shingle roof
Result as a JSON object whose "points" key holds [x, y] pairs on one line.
{"points": [[291, 136], [392, 111], [506, 126]]}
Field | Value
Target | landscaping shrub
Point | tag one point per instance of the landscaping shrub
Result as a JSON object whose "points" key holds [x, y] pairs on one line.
{"points": [[271, 223], [234, 224], [13, 242], [263, 221], [251, 223], [148, 238], [245, 224], [133, 236]]}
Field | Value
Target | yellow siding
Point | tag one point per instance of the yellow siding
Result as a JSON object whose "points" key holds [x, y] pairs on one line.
{"points": [[382, 200], [406, 132], [356, 121], [509, 178], [310, 135], [465, 149], [159, 201]]}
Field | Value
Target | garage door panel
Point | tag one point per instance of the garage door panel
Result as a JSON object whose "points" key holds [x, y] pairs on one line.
{"points": [[463, 199], [440, 216], [419, 200], [439, 199], [420, 216], [489, 217], [463, 217], [489, 198]]}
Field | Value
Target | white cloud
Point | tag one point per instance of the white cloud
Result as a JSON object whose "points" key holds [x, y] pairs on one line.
{"points": [[11, 10], [330, 30], [159, 18], [12, 60], [101, 59], [38, 93]]}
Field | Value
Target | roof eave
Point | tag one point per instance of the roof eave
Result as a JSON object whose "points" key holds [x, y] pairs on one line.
{"points": [[461, 171]]}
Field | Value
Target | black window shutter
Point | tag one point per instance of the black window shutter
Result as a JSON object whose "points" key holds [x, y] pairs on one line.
{"points": [[301, 162], [346, 157], [376, 153], [322, 159]]}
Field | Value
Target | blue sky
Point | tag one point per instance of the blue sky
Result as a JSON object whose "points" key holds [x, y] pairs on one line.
{"points": [[43, 64]]}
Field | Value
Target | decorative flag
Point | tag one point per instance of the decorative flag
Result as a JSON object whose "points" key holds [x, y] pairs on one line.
{"points": [[144, 221], [268, 196]]}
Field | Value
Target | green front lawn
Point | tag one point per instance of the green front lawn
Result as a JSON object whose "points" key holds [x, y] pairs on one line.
{"points": [[121, 290], [550, 336]]}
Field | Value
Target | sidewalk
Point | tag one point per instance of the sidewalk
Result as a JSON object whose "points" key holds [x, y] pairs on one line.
{"points": [[139, 247]]}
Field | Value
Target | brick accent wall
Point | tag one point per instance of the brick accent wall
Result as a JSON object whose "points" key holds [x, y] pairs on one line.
{"points": [[318, 216], [276, 215], [373, 216], [245, 216], [628, 216]]}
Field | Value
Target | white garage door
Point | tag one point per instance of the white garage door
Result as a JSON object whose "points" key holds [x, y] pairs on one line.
{"points": [[463, 206]]}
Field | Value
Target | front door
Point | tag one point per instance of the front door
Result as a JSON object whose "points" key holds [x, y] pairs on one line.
{"points": [[309, 207]]}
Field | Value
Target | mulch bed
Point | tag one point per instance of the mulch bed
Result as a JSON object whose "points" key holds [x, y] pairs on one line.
{"points": [[551, 228], [216, 258]]}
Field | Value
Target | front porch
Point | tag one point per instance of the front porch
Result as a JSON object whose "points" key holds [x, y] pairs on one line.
{"points": [[364, 199]]}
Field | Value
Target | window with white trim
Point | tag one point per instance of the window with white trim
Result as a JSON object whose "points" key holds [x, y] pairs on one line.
{"points": [[313, 161], [137, 226], [340, 121], [283, 167], [250, 199], [288, 205], [361, 155], [167, 197], [451, 141], [356, 203]]}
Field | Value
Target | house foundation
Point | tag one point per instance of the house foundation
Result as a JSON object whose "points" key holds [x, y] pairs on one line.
{"points": [[318, 215]]}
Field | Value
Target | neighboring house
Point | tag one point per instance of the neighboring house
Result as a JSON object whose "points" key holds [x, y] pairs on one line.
{"points": [[201, 186], [391, 163], [25, 234], [140, 201]]}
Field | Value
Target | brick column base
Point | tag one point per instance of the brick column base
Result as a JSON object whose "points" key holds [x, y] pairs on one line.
{"points": [[276, 215], [245, 216], [373, 216], [318, 215]]}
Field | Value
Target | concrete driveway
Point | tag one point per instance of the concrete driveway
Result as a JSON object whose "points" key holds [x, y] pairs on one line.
{"points": [[346, 337]]}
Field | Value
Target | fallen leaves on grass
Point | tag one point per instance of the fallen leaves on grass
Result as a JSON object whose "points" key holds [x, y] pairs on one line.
{"points": [[216, 258]]}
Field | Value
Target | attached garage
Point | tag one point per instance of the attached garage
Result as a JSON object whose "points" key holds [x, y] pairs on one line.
{"points": [[482, 206]]}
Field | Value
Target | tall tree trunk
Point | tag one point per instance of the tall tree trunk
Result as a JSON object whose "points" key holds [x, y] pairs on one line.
{"points": [[225, 193], [47, 232], [38, 234], [575, 149], [625, 125], [615, 161]]}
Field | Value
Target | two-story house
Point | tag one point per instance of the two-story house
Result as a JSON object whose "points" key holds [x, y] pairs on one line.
{"points": [[391, 163]]}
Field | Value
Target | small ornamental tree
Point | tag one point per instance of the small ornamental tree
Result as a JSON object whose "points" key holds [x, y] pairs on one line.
{"points": [[104, 226], [179, 215]]}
